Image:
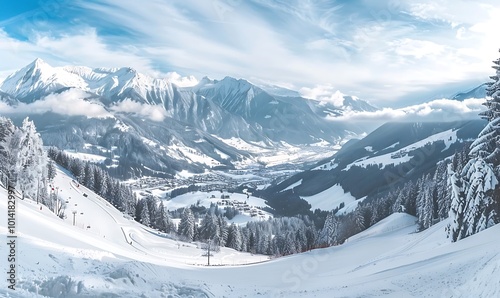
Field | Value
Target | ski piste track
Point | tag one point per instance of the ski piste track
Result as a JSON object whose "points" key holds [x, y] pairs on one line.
{"points": [[125, 224]]}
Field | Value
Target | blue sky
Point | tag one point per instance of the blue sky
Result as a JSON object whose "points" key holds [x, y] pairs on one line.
{"points": [[390, 52]]}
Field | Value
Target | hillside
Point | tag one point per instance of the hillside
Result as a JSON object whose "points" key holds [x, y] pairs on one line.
{"points": [[57, 259], [385, 159]]}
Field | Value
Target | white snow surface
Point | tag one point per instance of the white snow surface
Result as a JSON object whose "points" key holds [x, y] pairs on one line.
{"points": [[400, 156], [292, 186], [330, 198], [387, 260], [86, 156], [282, 153], [350, 207], [205, 199]]}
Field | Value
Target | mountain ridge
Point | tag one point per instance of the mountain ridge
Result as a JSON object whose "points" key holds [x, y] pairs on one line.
{"points": [[201, 118]]}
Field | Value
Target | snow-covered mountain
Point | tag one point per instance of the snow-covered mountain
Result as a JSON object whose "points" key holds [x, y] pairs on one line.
{"points": [[189, 126], [39, 79], [386, 158], [478, 92]]}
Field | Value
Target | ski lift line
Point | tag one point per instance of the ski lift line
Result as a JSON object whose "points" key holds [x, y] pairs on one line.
{"points": [[96, 201]]}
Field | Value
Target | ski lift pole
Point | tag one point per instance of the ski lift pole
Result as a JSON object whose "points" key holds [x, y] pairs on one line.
{"points": [[209, 242]]}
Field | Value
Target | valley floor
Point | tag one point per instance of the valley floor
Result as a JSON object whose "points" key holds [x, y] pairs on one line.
{"points": [[96, 258]]}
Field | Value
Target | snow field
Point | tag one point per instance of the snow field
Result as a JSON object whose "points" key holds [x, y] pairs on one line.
{"points": [[330, 198], [387, 260]]}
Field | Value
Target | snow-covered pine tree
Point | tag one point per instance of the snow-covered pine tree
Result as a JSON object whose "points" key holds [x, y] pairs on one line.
{"points": [[88, 176], [399, 203], [328, 235], [480, 213], [187, 224], [363, 217], [98, 179], [473, 206], [425, 203], [51, 169], [151, 201], [487, 144], [145, 219], [222, 223], [234, 237], [8, 149], [163, 221], [443, 190], [31, 160], [209, 227]]}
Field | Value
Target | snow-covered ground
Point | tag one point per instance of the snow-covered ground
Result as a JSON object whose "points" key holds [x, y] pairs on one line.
{"points": [[236, 200], [330, 198], [350, 207], [283, 153], [86, 156], [57, 259], [400, 156]]}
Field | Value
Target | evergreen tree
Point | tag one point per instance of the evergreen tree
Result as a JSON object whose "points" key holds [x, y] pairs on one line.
{"points": [[187, 225], [480, 213], [88, 176], [223, 230], [443, 191], [487, 144], [9, 147], [145, 219], [329, 233], [51, 169], [151, 201], [31, 160], [425, 203], [209, 227], [234, 237], [98, 180], [363, 217], [473, 206], [163, 221]]}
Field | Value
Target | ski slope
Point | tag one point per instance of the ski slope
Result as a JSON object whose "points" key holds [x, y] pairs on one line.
{"points": [[57, 259], [330, 198]]}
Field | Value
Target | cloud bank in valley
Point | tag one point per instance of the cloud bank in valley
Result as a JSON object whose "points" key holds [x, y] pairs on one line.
{"points": [[152, 112], [436, 110], [74, 102], [71, 102]]}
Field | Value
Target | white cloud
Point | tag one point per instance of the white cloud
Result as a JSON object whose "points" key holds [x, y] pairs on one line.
{"points": [[71, 103], [417, 48], [436, 110], [181, 81], [325, 93], [155, 113]]}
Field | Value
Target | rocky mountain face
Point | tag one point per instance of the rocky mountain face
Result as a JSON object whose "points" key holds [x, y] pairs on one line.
{"points": [[154, 126]]}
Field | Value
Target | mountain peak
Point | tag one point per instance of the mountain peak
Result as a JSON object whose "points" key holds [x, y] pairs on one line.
{"points": [[477, 92], [38, 79], [38, 61], [37, 64]]}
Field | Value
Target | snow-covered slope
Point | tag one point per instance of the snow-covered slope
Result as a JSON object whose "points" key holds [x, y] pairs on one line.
{"points": [[329, 199], [392, 154], [56, 259]]}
